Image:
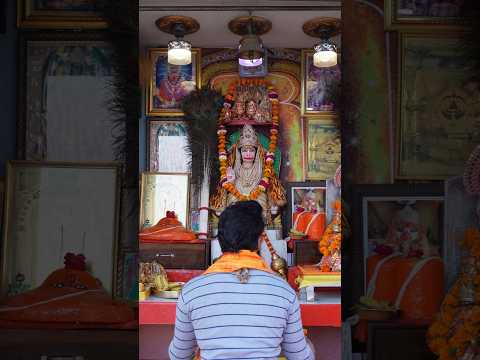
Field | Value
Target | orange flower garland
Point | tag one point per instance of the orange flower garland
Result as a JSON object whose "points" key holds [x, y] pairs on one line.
{"points": [[268, 170], [448, 337], [332, 237]]}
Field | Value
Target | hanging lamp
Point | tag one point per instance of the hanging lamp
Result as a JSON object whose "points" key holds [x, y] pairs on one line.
{"points": [[179, 50], [251, 51], [325, 54]]}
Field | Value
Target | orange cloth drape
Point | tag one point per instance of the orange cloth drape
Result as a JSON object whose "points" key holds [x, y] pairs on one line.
{"points": [[309, 223], [230, 262]]}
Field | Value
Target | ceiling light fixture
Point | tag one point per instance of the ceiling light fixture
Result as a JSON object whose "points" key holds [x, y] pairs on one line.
{"points": [[326, 51], [251, 51], [179, 50]]}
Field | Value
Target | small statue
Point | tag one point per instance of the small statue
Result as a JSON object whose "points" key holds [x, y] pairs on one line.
{"points": [[239, 107], [251, 109]]}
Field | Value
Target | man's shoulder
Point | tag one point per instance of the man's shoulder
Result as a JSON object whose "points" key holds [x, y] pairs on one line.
{"points": [[258, 275], [222, 279], [204, 279]]}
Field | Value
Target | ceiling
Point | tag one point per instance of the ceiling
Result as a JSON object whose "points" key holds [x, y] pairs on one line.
{"points": [[287, 18]]}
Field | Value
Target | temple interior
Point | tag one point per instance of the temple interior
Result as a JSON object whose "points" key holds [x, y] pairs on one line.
{"points": [[130, 128], [278, 112]]}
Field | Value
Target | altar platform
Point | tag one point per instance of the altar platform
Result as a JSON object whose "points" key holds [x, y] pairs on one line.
{"points": [[325, 310], [321, 318]]}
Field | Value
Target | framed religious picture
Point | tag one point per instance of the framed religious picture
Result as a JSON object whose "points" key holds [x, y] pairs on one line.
{"points": [[415, 15], [169, 84], [438, 108], [64, 86], [303, 196], [60, 14], [323, 147], [167, 144], [162, 192], [128, 274], [320, 86], [404, 219], [55, 208]]}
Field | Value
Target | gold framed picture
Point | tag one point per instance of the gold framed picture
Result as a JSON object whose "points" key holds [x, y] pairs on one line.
{"points": [[55, 208], [162, 192], [320, 86], [169, 84], [323, 147], [415, 15], [59, 14], [438, 107]]}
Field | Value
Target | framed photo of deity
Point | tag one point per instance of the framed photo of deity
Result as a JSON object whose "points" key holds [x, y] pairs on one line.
{"points": [[55, 208], [320, 86], [403, 219], [323, 147], [60, 14], [162, 192], [167, 146], [169, 84], [64, 83], [304, 196], [438, 107], [414, 15]]}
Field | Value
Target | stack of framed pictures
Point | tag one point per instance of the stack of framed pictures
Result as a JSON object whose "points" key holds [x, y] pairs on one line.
{"points": [[65, 127], [166, 183], [322, 145]]}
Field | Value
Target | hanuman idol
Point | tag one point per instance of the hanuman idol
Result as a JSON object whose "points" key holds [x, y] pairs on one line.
{"points": [[246, 161]]}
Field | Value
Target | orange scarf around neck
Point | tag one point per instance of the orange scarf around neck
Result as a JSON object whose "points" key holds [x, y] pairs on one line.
{"points": [[230, 262]]}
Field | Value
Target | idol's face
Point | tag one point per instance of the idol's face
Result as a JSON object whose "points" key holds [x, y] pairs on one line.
{"points": [[248, 154], [407, 231], [174, 76]]}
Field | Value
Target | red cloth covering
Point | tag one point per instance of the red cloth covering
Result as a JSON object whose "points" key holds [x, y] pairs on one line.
{"points": [[167, 229], [67, 299]]}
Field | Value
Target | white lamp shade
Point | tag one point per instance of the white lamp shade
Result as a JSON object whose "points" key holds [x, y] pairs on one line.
{"points": [[179, 56], [325, 58], [250, 63]]}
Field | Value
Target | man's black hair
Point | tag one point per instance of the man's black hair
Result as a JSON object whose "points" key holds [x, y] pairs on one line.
{"points": [[240, 226]]}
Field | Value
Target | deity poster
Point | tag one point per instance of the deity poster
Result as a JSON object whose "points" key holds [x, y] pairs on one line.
{"points": [[323, 148], [439, 109], [169, 84]]}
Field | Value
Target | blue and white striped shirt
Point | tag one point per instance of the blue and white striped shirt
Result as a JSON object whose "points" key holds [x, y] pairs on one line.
{"points": [[231, 320]]}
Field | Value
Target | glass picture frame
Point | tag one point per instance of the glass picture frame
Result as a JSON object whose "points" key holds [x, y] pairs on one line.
{"points": [[418, 15], [62, 97], [167, 142], [322, 148], [437, 122], [162, 192], [168, 84], [320, 86], [58, 14], [52, 208]]}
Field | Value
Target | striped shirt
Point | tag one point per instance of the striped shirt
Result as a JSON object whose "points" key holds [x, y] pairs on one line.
{"points": [[227, 319]]}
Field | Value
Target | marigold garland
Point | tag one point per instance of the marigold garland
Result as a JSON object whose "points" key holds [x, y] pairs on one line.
{"points": [[332, 237], [447, 338], [268, 170]]}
